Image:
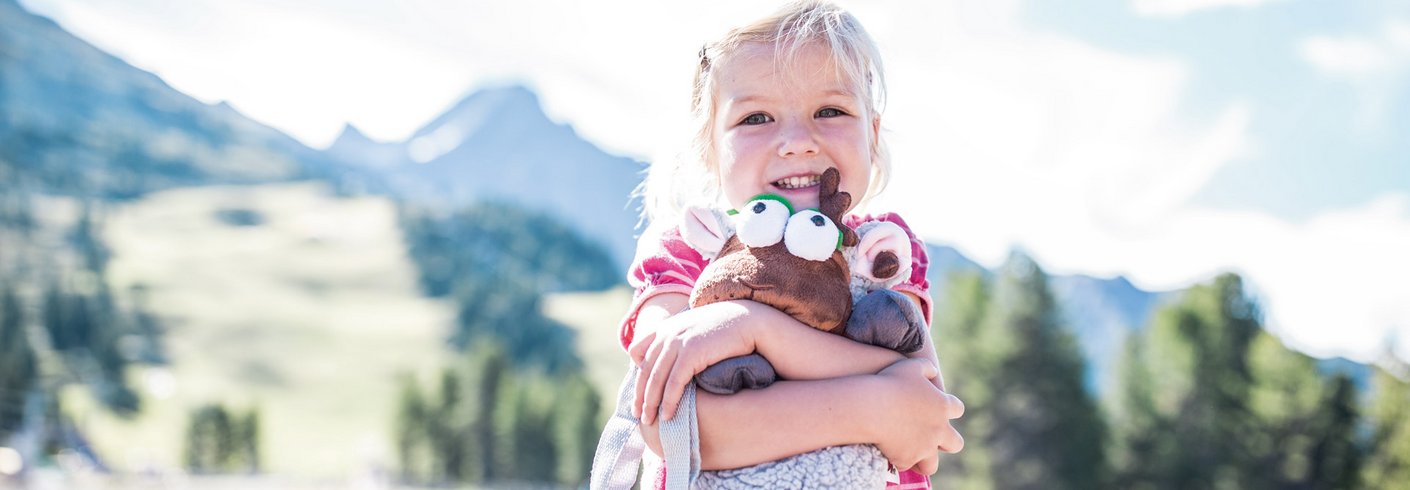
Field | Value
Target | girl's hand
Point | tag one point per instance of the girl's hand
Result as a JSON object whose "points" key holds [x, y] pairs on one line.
{"points": [[681, 346], [911, 439]]}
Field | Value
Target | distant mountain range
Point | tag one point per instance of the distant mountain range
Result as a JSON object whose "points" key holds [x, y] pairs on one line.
{"points": [[497, 144], [77, 121]]}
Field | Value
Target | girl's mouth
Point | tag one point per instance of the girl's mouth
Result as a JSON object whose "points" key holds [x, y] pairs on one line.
{"points": [[797, 182]]}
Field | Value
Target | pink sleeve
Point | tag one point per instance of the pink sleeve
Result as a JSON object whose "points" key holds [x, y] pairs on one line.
{"points": [[910, 480], [917, 284], [664, 263]]}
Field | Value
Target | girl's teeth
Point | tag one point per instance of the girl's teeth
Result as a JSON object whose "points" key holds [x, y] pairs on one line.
{"points": [[798, 182]]}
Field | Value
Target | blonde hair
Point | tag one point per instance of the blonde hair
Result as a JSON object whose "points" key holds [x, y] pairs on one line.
{"points": [[690, 179]]}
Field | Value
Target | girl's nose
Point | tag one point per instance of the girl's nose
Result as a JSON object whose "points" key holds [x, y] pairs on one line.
{"points": [[797, 139]]}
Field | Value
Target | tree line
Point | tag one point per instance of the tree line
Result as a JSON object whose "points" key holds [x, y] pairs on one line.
{"points": [[1206, 398], [61, 324], [515, 406], [484, 422]]}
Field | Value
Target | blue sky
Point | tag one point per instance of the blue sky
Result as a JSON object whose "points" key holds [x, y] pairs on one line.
{"points": [[1163, 140], [1336, 132]]}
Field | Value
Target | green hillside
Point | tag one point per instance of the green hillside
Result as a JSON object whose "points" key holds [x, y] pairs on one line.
{"points": [[310, 313], [595, 316]]}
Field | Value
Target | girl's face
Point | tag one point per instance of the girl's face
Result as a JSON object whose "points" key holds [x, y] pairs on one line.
{"points": [[776, 132]]}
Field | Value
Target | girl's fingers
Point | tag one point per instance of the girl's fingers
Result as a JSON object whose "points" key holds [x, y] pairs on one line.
{"points": [[929, 465], [951, 441], [954, 407], [912, 367], [638, 348], [675, 389], [655, 384], [928, 370], [642, 375]]}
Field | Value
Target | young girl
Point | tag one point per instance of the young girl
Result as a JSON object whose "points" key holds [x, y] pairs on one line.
{"points": [[776, 103]]}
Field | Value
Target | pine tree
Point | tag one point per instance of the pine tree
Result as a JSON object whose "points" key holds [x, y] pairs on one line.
{"points": [[18, 371], [448, 445], [247, 435], [535, 456], [490, 373], [1139, 429], [1029, 421], [210, 440], [968, 364], [1336, 455], [575, 428], [1232, 407], [410, 434], [1298, 430], [1387, 463]]}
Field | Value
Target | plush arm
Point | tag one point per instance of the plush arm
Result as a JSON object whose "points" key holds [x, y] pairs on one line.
{"points": [[927, 352]]}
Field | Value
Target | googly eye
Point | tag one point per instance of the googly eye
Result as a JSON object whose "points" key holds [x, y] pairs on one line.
{"points": [[811, 235], [761, 222]]}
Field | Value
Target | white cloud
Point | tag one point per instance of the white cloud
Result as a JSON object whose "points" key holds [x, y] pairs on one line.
{"points": [[1337, 282], [1345, 56], [1359, 56], [1375, 63], [1178, 8]]}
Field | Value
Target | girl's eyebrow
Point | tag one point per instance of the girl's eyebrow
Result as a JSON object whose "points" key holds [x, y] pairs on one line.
{"points": [[762, 98], [748, 98]]}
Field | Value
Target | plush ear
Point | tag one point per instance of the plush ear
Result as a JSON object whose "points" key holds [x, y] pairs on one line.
{"points": [[833, 202], [706, 230], [883, 253]]}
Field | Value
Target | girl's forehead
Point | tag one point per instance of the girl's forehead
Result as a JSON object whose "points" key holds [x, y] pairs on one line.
{"points": [[764, 67]]}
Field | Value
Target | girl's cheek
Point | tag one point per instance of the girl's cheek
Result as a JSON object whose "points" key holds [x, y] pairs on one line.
{"points": [[742, 144]]}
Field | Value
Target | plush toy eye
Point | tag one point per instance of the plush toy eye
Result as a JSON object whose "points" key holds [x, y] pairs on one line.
{"points": [[811, 235], [761, 221]]}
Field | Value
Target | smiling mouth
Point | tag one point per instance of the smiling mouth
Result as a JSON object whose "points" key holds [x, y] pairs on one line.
{"points": [[799, 182]]}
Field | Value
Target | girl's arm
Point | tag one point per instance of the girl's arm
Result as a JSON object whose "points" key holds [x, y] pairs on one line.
{"points": [[900, 410], [673, 348]]}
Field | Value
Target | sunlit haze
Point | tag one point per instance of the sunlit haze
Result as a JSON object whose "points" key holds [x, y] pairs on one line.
{"points": [[1163, 140]]}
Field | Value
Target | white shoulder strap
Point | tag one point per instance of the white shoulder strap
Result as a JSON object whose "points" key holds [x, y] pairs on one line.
{"points": [[618, 456]]}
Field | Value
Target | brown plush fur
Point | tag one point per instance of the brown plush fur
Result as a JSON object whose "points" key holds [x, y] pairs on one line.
{"points": [[815, 293]]}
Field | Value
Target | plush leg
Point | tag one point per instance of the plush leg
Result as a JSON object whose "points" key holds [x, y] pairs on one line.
{"points": [[888, 319], [736, 373]]}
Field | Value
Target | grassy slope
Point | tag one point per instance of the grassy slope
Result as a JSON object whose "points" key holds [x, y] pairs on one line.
{"points": [[596, 316], [310, 316]]}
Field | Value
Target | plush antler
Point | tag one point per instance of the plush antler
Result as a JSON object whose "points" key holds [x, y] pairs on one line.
{"points": [[832, 202]]}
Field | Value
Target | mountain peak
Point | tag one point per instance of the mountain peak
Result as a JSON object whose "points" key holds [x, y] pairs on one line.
{"points": [[353, 146], [482, 105], [350, 134]]}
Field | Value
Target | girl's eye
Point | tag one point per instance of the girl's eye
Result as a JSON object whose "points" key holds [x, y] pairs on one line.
{"points": [[831, 112], [756, 118]]}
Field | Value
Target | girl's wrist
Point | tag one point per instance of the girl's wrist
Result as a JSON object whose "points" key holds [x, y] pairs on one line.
{"points": [[750, 323]]}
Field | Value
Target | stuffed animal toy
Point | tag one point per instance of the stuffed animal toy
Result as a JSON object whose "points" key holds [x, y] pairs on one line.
{"points": [[807, 264], [810, 266]]}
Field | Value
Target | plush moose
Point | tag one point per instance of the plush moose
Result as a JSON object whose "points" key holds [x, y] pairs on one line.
{"points": [[808, 265]]}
